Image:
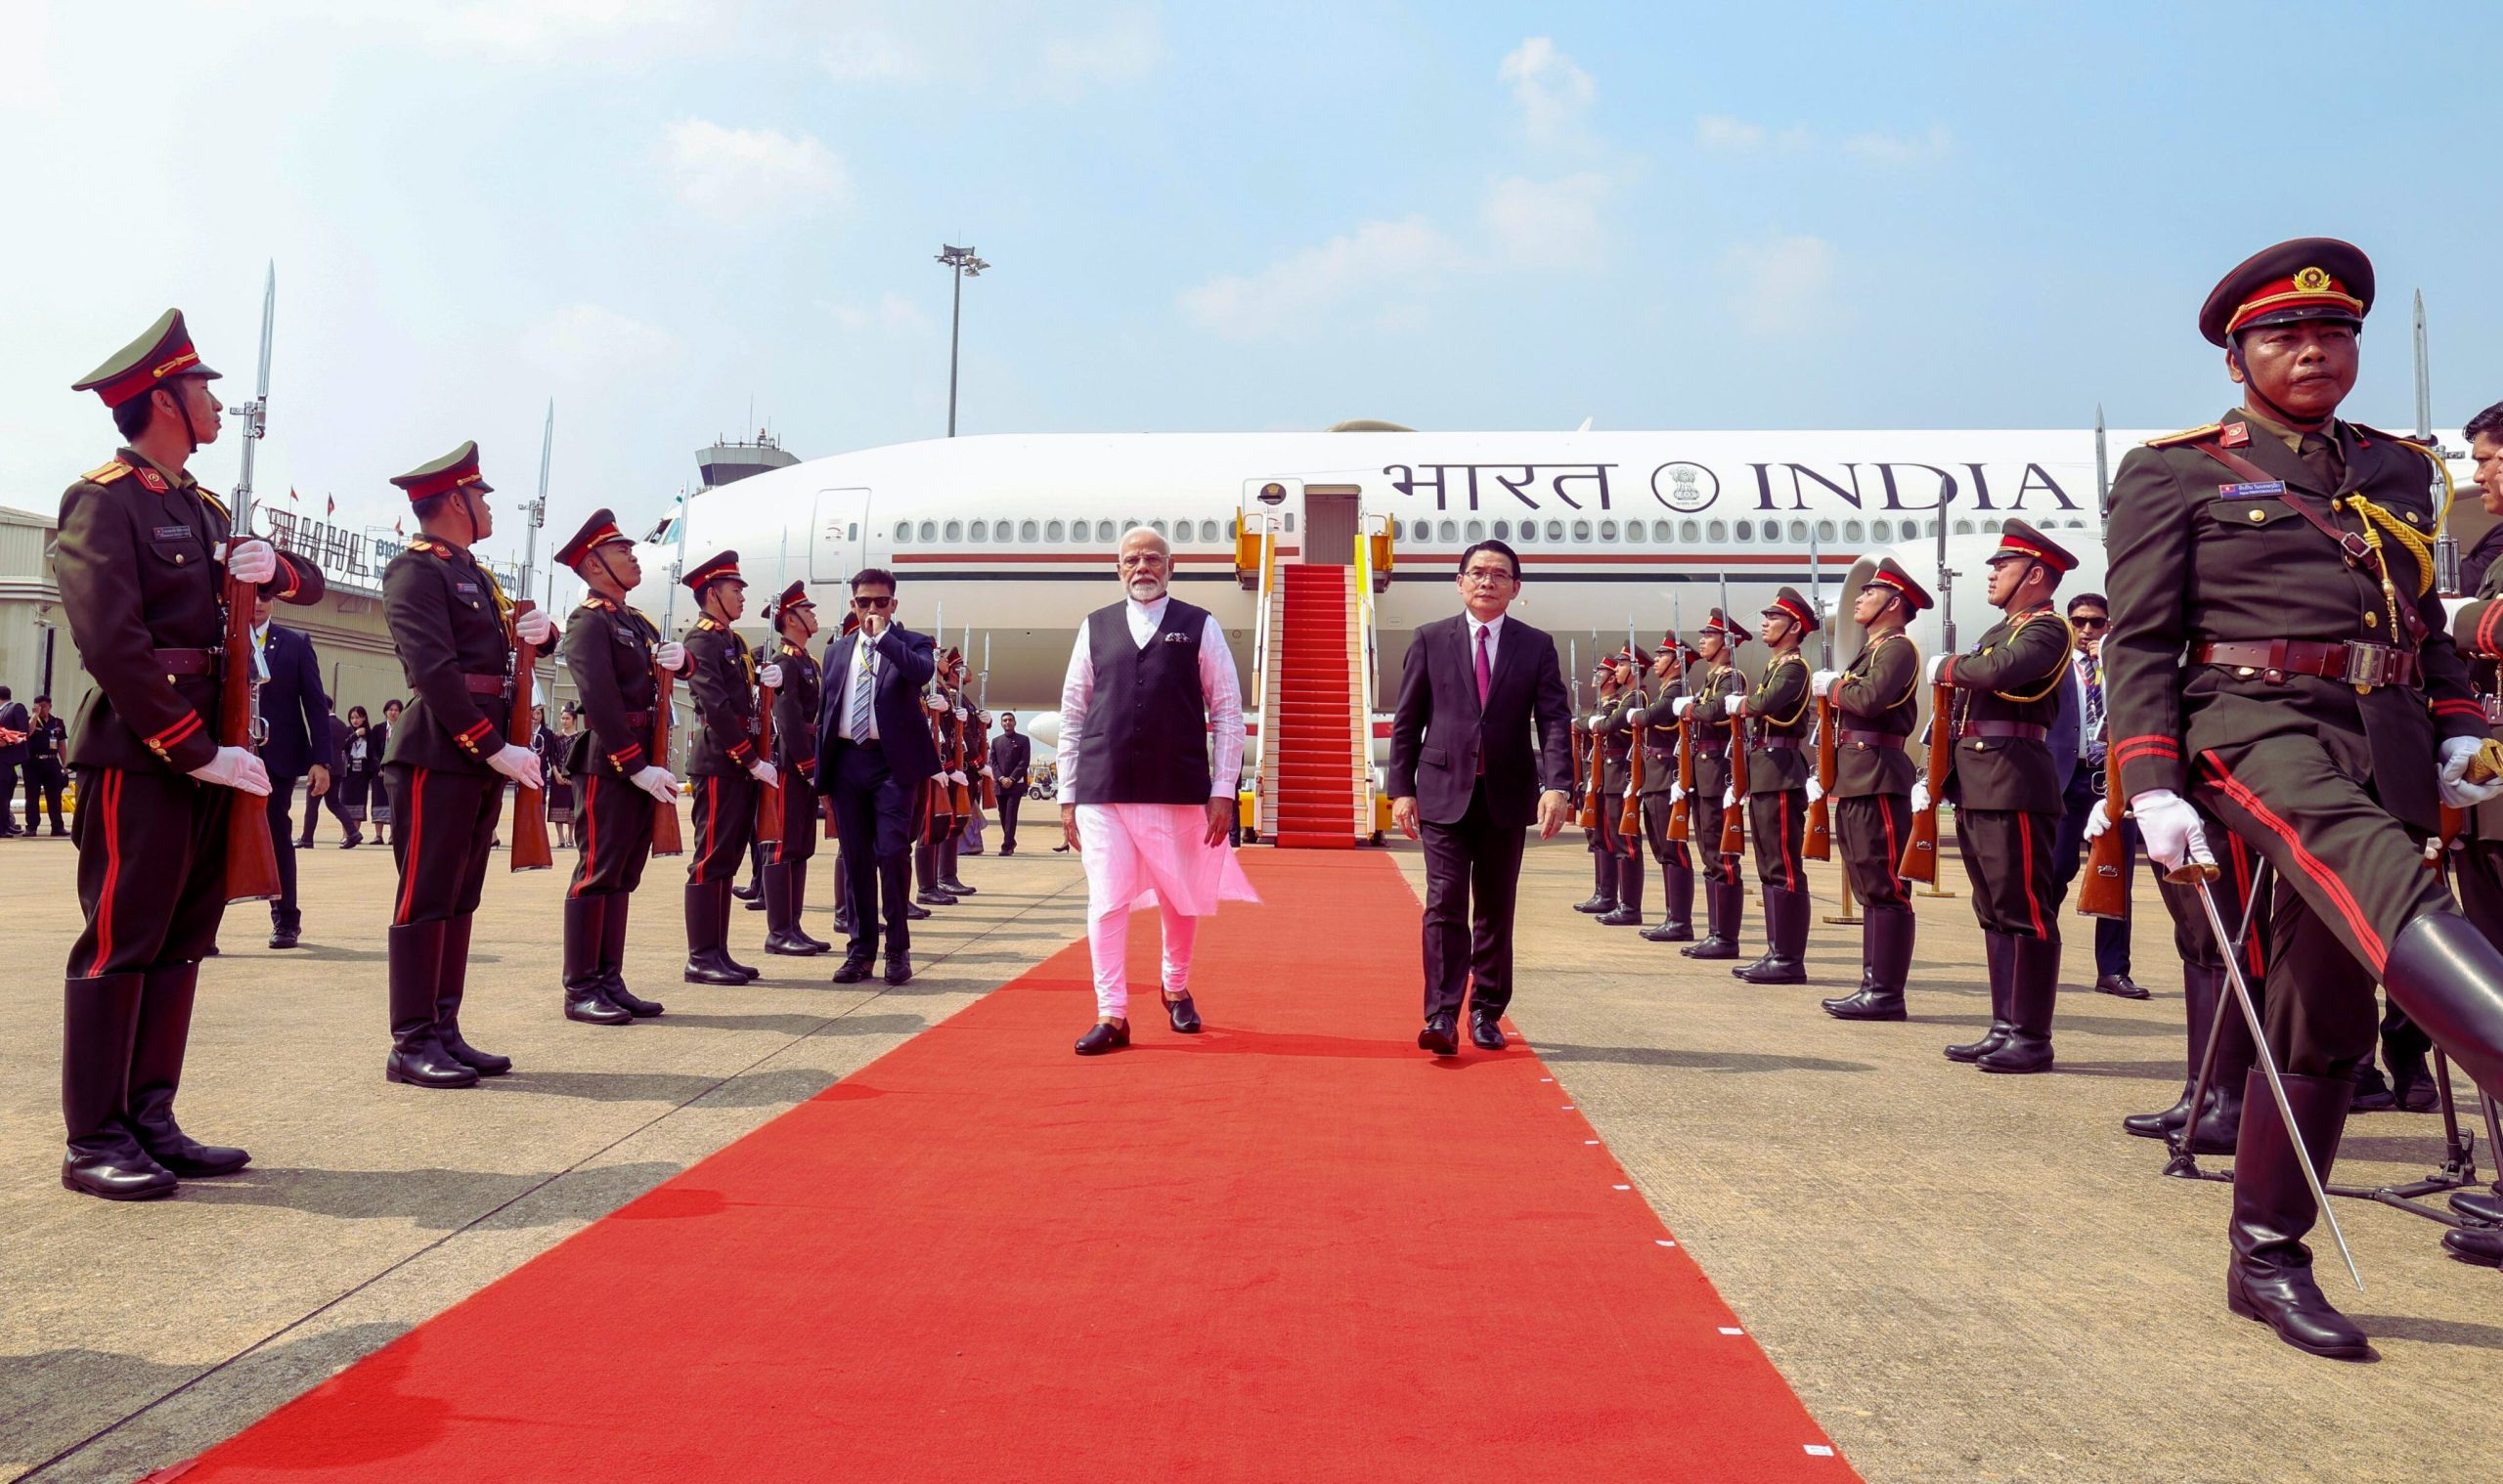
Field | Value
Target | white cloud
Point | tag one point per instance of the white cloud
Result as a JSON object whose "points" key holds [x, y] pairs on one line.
{"points": [[1901, 148], [593, 343], [872, 55], [1552, 92], [1546, 224], [1780, 283], [1122, 50], [746, 173], [1378, 261], [1726, 135]]}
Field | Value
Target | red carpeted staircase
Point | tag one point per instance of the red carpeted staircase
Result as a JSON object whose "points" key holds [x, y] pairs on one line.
{"points": [[1311, 713]]}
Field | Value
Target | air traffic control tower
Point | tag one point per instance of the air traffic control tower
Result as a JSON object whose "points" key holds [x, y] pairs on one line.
{"points": [[728, 462]]}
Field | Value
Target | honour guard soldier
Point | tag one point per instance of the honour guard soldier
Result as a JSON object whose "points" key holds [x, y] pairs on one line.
{"points": [[1602, 898], [1777, 723], [722, 765], [795, 757], [1724, 897], [614, 654], [1615, 726], [2278, 659], [2006, 787], [1877, 703], [139, 562], [1656, 732], [449, 762]]}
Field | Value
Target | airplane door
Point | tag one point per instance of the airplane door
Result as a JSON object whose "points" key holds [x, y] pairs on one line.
{"points": [[839, 546], [1330, 521]]}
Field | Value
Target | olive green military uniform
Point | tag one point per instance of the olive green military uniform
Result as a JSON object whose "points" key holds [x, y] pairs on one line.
{"points": [[1779, 725], [1657, 736], [1724, 896], [1616, 724]]}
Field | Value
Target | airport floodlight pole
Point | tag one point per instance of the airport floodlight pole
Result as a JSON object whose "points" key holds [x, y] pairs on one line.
{"points": [[962, 263]]}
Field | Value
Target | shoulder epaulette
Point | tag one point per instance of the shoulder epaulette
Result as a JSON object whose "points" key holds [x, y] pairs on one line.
{"points": [[2403, 440], [108, 474], [431, 549], [214, 502], [2186, 435]]}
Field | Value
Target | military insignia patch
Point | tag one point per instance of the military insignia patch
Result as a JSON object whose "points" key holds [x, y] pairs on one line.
{"points": [[154, 481], [2235, 435], [2313, 279]]}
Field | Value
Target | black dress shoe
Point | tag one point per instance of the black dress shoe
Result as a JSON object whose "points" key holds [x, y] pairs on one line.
{"points": [[2478, 1206], [1669, 933], [1772, 969], [1184, 1014], [2120, 984], [714, 969], [955, 888], [912, 913], [1622, 917], [127, 1175], [933, 898], [854, 969], [283, 937], [2020, 1055], [614, 987], [1595, 905], [2481, 1244], [791, 942], [1486, 1032], [591, 1006], [187, 1158], [1101, 1037], [899, 969], [752, 892], [1442, 1036], [1713, 945], [1867, 1005]]}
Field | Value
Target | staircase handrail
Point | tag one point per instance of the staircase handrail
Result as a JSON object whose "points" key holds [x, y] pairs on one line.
{"points": [[1260, 640], [1365, 626]]}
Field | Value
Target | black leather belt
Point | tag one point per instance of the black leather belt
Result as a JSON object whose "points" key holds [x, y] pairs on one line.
{"points": [[1858, 738], [175, 662], [487, 684], [2360, 665], [1793, 744], [638, 718], [2022, 731]]}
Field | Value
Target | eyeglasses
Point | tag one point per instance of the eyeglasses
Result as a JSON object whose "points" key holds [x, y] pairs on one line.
{"points": [[2081, 621], [873, 604], [1493, 577]]}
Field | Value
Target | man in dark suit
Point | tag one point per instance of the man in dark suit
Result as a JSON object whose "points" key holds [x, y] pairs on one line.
{"points": [[1012, 759], [328, 799], [1479, 748], [15, 728], [874, 757], [297, 714]]}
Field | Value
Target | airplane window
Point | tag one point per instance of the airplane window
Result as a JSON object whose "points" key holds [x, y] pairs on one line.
{"points": [[1607, 530], [1963, 528], [1159, 527], [1661, 530], [1689, 531], [904, 531], [1879, 531], [1053, 531], [1451, 532], [1744, 530], [979, 531], [1026, 531], [1555, 530], [1854, 530], [1502, 530], [1799, 532], [1634, 531], [1290, 522], [1717, 530], [1581, 530], [929, 530], [851, 532], [1476, 530], [955, 530], [1824, 530], [1208, 530]]}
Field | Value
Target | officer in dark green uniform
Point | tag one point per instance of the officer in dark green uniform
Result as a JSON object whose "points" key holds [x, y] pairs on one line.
{"points": [[1656, 733], [614, 654], [1777, 721], [1705, 709], [2278, 655], [1615, 728], [138, 559], [795, 757], [448, 763], [1876, 704], [2006, 787], [722, 765]]}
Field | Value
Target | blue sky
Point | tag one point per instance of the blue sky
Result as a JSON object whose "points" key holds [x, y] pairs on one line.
{"points": [[1201, 217]]}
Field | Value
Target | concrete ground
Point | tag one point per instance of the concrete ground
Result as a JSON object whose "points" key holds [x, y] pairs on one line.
{"points": [[1965, 1276]]}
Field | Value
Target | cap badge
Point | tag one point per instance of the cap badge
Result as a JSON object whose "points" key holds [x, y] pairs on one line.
{"points": [[2313, 279]]}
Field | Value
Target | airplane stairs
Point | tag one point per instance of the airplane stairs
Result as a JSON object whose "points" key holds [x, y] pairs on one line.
{"points": [[1311, 750]]}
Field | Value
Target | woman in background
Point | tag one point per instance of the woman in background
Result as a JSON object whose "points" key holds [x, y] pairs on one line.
{"points": [[379, 799]]}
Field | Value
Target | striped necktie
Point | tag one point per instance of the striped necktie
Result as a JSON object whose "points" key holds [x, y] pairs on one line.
{"points": [[864, 682]]}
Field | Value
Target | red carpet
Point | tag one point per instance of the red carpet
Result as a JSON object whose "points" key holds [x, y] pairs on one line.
{"points": [[1291, 1248]]}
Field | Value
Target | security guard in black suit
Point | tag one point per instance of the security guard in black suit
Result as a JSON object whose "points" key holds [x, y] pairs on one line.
{"points": [[1779, 727], [138, 560], [1705, 707], [1876, 704], [795, 757], [1615, 725], [1656, 733], [615, 655], [722, 765], [449, 762]]}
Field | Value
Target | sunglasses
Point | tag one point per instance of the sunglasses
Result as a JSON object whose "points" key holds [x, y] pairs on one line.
{"points": [[873, 603], [2083, 621]]}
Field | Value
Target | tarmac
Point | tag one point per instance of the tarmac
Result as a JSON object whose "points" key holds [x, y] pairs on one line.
{"points": [[1964, 1277]]}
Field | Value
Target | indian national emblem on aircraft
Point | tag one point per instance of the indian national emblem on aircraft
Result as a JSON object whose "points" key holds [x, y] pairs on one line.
{"points": [[1684, 488]]}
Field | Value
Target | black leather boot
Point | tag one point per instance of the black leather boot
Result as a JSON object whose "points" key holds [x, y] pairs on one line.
{"points": [[157, 1072], [1721, 910], [707, 927], [781, 918], [1886, 961], [722, 929], [2032, 991], [1785, 932], [796, 875], [450, 990], [948, 880], [2220, 1120], [2199, 988], [2448, 977], [417, 1057], [1677, 906], [1629, 894], [2269, 1276], [100, 1025], [612, 958], [1997, 956], [585, 938], [753, 894], [1602, 898]]}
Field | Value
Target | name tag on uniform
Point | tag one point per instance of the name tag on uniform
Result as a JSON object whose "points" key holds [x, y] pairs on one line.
{"points": [[2263, 489], [173, 532], [465, 590]]}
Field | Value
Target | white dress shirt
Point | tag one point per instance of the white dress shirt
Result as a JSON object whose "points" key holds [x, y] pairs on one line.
{"points": [[1219, 689]]}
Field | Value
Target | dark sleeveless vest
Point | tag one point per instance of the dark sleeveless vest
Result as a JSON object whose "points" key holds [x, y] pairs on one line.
{"points": [[1147, 728]]}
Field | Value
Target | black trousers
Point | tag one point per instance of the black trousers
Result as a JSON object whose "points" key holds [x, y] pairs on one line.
{"points": [[151, 870], [1009, 799], [284, 914], [724, 826], [874, 817], [2068, 855], [1472, 876], [43, 781], [447, 823], [1871, 829], [331, 800], [799, 841], [2007, 857], [613, 824], [1703, 820], [1779, 820]]}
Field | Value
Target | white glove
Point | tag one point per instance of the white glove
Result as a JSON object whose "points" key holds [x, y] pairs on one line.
{"points": [[656, 781], [1921, 796], [1815, 791], [986, 718], [963, 715], [236, 767], [1634, 714], [2457, 791], [938, 706], [252, 561], [1729, 797], [1677, 707], [1821, 681], [517, 763], [535, 628], [771, 676], [669, 654], [1677, 793], [2171, 828], [2098, 818], [1736, 706], [1937, 662], [766, 773], [959, 780]]}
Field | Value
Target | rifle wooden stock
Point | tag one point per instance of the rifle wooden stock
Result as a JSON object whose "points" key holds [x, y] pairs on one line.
{"points": [[1820, 843], [529, 804], [1733, 819], [666, 838], [1629, 821], [1587, 767], [1920, 851], [1681, 813], [251, 859], [769, 798], [2104, 891]]}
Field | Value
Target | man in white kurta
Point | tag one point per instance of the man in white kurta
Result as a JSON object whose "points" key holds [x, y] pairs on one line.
{"points": [[1150, 741]]}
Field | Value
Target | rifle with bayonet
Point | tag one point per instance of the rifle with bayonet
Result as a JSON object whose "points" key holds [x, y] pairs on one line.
{"points": [[251, 859], [1734, 815], [1820, 843]]}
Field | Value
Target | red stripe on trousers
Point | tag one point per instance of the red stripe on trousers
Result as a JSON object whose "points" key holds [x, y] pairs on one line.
{"points": [[1788, 868], [2311, 865], [590, 835], [2025, 843], [1893, 852], [416, 833], [112, 869]]}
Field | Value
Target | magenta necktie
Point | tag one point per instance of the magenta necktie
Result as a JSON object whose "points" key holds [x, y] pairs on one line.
{"points": [[1484, 673]]}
